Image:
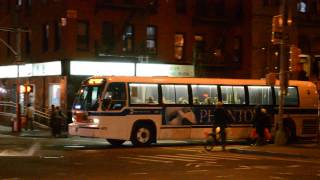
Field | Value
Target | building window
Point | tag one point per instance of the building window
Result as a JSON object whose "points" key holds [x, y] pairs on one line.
{"points": [[199, 47], [128, 38], [201, 7], [108, 43], [270, 2], [151, 43], [57, 36], [19, 3], [218, 51], [302, 6], [45, 37], [219, 7], [181, 6], [28, 43], [178, 46], [9, 53], [83, 35], [237, 48]]}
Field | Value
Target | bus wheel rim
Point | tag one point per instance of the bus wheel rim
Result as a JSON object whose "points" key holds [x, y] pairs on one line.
{"points": [[143, 135]]}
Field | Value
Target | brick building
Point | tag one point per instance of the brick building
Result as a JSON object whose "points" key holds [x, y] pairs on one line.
{"points": [[220, 38]]}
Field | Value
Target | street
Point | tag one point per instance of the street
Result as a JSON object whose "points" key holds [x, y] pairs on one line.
{"points": [[84, 158]]}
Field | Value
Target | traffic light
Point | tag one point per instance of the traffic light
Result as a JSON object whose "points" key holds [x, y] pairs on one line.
{"points": [[26, 88], [294, 58], [277, 25]]}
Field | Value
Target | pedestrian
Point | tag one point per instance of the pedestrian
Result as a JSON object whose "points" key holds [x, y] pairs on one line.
{"points": [[52, 120], [221, 121], [262, 121], [29, 117], [57, 121]]}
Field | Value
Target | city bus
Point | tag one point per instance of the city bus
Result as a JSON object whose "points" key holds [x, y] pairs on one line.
{"points": [[146, 109]]}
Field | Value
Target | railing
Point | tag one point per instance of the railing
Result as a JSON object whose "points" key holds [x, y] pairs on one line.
{"points": [[41, 118]]}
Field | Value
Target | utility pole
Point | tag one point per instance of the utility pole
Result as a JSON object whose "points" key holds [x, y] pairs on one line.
{"points": [[280, 136]]}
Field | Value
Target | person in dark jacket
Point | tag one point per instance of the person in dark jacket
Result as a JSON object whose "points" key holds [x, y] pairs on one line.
{"points": [[221, 121], [262, 121]]}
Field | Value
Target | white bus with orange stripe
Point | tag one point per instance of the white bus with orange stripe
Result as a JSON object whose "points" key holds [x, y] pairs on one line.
{"points": [[146, 109]]}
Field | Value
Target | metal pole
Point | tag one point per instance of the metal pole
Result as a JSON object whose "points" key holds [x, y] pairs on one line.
{"points": [[281, 138], [18, 61]]}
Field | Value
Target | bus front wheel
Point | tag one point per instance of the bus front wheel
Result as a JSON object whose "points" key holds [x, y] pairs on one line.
{"points": [[115, 142], [142, 135]]}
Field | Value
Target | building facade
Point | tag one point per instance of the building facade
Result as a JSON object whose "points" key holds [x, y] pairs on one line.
{"points": [[220, 38]]}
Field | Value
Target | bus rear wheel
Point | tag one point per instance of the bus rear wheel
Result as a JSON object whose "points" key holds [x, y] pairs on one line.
{"points": [[115, 142], [142, 135]]}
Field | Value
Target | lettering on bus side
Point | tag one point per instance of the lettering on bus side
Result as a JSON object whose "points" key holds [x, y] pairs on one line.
{"points": [[204, 115]]}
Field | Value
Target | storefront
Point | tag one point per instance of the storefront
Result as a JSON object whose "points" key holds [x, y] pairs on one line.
{"points": [[56, 82]]}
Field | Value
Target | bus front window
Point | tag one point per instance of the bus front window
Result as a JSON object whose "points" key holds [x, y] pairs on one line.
{"points": [[88, 98]]}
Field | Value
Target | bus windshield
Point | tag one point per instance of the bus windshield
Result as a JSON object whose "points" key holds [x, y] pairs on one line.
{"points": [[88, 97]]}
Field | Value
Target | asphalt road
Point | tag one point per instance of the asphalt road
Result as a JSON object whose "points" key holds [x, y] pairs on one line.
{"points": [[81, 158]]}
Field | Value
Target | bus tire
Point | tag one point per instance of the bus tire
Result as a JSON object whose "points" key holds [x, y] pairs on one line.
{"points": [[142, 134], [290, 130], [115, 142]]}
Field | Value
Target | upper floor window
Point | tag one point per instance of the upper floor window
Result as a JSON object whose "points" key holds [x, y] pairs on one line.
{"points": [[302, 6], [57, 36], [83, 35], [181, 6], [199, 47], [270, 2], [178, 46], [27, 43], [108, 43], [128, 38], [45, 37], [201, 7], [151, 43]]}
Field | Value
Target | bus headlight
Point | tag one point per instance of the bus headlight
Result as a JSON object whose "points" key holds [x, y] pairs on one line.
{"points": [[96, 121]]}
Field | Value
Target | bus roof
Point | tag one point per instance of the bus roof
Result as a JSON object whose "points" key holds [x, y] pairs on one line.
{"points": [[191, 80]]}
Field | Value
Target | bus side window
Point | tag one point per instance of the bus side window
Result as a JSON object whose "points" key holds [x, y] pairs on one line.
{"points": [[115, 98]]}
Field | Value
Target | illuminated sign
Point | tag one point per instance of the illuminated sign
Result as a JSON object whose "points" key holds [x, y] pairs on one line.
{"points": [[91, 68], [28, 70], [165, 70], [95, 81]]}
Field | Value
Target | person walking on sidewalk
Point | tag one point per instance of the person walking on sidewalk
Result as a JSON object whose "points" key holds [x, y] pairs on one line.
{"points": [[29, 117], [221, 121]]}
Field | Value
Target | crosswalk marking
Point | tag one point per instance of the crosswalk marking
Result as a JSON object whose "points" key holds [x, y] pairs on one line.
{"points": [[168, 157], [143, 159], [209, 157]]}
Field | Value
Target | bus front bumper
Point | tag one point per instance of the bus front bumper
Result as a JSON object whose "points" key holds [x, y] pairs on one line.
{"points": [[86, 130]]}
